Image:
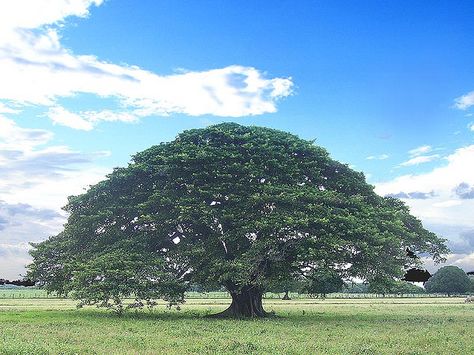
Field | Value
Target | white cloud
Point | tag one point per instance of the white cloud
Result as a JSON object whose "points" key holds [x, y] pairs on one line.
{"points": [[41, 176], [6, 109], [35, 180], [378, 157], [463, 261], [13, 259], [19, 225], [13, 137], [445, 206], [471, 126], [36, 69], [420, 160], [59, 115], [465, 101], [420, 150], [27, 14], [109, 116], [447, 203], [461, 243], [85, 120]]}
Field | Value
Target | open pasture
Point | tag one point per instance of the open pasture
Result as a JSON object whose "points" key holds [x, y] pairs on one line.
{"points": [[302, 326]]}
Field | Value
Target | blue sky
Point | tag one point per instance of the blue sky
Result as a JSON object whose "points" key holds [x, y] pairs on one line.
{"points": [[386, 87]]}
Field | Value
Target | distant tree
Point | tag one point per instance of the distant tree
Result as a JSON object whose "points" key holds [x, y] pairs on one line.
{"points": [[229, 205], [205, 288], [396, 287], [471, 278], [382, 285], [407, 288], [355, 287], [449, 280], [323, 282], [286, 284]]}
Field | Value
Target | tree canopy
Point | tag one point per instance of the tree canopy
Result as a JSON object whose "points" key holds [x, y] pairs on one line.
{"points": [[450, 280], [241, 207]]}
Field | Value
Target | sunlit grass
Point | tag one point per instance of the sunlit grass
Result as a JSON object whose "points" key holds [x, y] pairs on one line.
{"points": [[362, 326]]}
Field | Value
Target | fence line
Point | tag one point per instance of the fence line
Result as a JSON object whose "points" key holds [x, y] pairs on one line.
{"points": [[40, 294]]}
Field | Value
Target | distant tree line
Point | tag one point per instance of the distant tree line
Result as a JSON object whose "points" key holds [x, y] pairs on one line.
{"points": [[447, 280]]}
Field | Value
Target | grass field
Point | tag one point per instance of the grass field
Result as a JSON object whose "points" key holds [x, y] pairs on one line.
{"points": [[354, 326]]}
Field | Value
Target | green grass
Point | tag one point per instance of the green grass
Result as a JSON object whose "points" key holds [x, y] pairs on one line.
{"points": [[303, 326]]}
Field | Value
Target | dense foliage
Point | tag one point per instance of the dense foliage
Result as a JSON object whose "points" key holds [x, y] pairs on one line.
{"points": [[241, 207], [449, 280]]}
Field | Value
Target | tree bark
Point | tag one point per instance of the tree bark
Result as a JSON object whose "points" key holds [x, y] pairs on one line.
{"points": [[246, 303], [286, 297]]}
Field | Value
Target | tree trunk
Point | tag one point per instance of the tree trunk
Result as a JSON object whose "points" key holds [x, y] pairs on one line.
{"points": [[286, 297], [246, 303]]}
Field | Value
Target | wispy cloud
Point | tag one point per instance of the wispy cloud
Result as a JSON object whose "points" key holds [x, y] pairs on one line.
{"points": [[5, 109], [59, 115], [420, 150], [31, 52], [421, 159], [86, 120], [465, 101], [378, 157], [413, 195], [14, 137], [40, 175]]}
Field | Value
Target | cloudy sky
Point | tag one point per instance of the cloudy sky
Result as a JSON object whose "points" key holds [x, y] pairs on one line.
{"points": [[386, 87]]}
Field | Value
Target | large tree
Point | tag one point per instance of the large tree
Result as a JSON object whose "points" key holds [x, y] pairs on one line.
{"points": [[241, 207], [450, 280]]}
